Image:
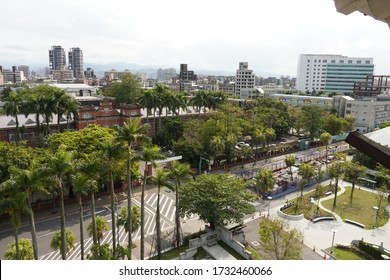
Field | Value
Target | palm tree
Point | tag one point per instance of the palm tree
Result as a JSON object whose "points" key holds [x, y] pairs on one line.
{"points": [[13, 202], [179, 102], [12, 107], [180, 172], [149, 154], [148, 101], [258, 137], [265, 180], [160, 91], [325, 139], [28, 181], [90, 165], [81, 187], [199, 100], [131, 133], [160, 180], [306, 171], [269, 137], [290, 161], [57, 241], [353, 172], [24, 249], [49, 107], [217, 145], [335, 171], [111, 153], [101, 227], [60, 165]]}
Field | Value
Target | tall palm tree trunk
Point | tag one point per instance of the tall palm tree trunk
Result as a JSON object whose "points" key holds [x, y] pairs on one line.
{"points": [[129, 202], [17, 251], [94, 231], [177, 217], [143, 212], [33, 231], [81, 214], [158, 225], [62, 215], [113, 226]]}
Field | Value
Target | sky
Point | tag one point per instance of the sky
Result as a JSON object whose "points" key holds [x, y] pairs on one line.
{"points": [[212, 35]]}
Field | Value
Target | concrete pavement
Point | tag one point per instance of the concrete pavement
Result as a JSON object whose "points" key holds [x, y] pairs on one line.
{"points": [[319, 235]]}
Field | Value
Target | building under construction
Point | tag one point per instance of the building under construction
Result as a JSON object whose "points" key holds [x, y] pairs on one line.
{"points": [[372, 86]]}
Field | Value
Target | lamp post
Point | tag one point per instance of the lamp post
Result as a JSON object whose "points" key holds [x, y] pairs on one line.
{"points": [[312, 201], [331, 252], [374, 222], [269, 203], [200, 163]]}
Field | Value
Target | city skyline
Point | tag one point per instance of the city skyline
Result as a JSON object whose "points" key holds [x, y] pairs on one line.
{"points": [[270, 36]]}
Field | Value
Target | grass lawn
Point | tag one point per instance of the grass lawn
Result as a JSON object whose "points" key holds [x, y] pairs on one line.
{"points": [[361, 209], [305, 206], [345, 254]]}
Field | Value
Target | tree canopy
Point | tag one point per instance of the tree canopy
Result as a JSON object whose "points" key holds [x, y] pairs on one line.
{"points": [[218, 199]]}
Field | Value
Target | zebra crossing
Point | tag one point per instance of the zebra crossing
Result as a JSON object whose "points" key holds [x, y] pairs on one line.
{"points": [[167, 217]]}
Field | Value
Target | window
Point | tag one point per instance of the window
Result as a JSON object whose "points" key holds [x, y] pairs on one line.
{"points": [[341, 61], [359, 62], [367, 62], [333, 61], [348, 111], [86, 116], [105, 110], [325, 61], [348, 105], [349, 61], [133, 112]]}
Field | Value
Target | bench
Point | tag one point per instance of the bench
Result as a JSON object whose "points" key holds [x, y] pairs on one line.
{"points": [[354, 223], [318, 219], [287, 206], [328, 193], [212, 243]]}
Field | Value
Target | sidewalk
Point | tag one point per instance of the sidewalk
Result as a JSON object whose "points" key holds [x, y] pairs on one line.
{"points": [[319, 235]]}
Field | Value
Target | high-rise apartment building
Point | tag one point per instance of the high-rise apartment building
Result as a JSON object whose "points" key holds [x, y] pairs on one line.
{"points": [[57, 59], [186, 77], [332, 73], [245, 78], [75, 62], [25, 69]]}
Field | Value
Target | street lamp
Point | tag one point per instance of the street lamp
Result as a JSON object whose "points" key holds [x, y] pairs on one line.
{"points": [[269, 203], [312, 201], [200, 163], [374, 222], [331, 252]]}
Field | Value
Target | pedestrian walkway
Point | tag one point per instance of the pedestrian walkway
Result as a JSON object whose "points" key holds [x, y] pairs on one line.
{"points": [[319, 236]]}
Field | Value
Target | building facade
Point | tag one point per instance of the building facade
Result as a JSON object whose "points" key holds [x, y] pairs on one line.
{"points": [[57, 59], [76, 62], [245, 78], [186, 77], [332, 73]]}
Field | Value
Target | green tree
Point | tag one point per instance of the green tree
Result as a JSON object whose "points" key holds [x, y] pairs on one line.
{"points": [[149, 154], [289, 160], [59, 165], [218, 145], [277, 242], [111, 152], [132, 133], [81, 188], [325, 139], [127, 91], [160, 180], [12, 107], [13, 202], [181, 172], [124, 221], [336, 170], [265, 180], [334, 125], [218, 199], [56, 241], [25, 250], [101, 227], [312, 118], [306, 171], [352, 173], [29, 181]]}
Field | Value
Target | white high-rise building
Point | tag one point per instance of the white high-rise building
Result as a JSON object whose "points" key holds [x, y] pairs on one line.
{"points": [[245, 78], [332, 73]]}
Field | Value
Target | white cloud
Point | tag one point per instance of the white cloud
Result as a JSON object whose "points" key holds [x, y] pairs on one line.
{"points": [[210, 35]]}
